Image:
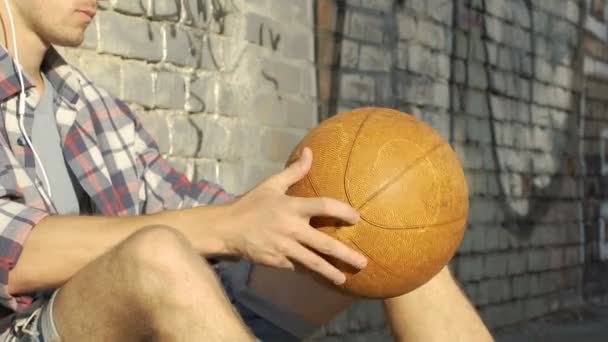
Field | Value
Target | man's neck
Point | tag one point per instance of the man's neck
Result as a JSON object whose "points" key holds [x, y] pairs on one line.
{"points": [[31, 47]]}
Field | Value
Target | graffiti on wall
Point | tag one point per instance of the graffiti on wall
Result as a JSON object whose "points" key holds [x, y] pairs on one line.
{"points": [[270, 38], [273, 37], [210, 12]]}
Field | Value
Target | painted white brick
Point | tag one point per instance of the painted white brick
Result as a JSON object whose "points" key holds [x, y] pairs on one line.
{"points": [[138, 84], [184, 48], [165, 10], [130, 37], [130, 7], [170, 90]]}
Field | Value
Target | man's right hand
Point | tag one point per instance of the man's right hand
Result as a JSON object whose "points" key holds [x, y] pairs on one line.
{"points": [[269, 227]]}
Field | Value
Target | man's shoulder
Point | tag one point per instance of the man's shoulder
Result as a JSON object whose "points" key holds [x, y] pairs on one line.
{"points": [[61, 65]]}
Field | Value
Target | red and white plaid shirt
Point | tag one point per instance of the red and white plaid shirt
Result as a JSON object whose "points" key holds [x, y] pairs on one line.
{"points": [[115, 160]]}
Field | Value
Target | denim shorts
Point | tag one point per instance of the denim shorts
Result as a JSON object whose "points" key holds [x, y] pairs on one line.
{"points": [[263, 319], [35, 324]]}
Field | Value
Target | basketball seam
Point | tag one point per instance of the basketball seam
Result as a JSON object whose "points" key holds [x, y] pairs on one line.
{"points": [[350, 152], [312, 184], [399, 175], [421, 226], [391, 273], [369, 257], [382, 188]]}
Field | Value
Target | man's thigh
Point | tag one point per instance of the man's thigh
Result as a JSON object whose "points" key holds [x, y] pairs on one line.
{"points": [[87, 305], [37, 324]]}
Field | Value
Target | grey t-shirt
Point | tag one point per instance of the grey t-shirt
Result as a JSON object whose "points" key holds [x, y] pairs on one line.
{"points": [[47, 142]]}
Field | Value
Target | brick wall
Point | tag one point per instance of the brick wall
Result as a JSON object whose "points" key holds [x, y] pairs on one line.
{"points": [[595, 70], [518, 87], [508, 82], [227, 87]]}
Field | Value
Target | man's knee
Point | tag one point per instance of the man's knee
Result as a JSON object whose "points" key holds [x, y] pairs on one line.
{"points": [[159, 254]]}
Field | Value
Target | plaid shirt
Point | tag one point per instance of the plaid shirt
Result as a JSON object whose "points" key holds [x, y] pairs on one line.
{"points": [[113, 157]]}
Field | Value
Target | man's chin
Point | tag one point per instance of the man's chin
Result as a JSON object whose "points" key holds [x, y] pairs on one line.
{"points": [[69, 42]]}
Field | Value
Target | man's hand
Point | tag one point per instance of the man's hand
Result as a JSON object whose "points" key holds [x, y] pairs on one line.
{"points": [[271, 228]]}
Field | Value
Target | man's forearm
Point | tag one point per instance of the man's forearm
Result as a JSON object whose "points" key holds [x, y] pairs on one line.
{"points": [[437, 311], [59, 246]]}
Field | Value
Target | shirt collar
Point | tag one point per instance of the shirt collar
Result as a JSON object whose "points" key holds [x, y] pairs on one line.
{"points": [[65, 80], [9, 78]]}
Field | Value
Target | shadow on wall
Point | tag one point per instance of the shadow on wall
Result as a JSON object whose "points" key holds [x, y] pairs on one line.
{"points": [[527, 180], [331, 25], [546, 155]]}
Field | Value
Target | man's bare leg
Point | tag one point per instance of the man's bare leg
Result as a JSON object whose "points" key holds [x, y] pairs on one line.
{"points": [[152, 287]]}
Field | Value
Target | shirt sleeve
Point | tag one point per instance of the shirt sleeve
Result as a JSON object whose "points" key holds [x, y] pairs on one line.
{"points": [[164, 187], [16, 222]]}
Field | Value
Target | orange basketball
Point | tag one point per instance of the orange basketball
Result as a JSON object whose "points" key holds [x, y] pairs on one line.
{"points": [[408, 186]]}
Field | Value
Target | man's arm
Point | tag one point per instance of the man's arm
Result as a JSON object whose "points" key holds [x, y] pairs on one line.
{"points": [[437, 311], [265, 225], [59, 246]]}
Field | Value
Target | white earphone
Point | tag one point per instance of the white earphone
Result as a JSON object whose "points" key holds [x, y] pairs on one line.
{"points": [[21, 108]]}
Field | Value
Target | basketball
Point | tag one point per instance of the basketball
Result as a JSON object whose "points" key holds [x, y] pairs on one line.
{"points": [[408, 186]]}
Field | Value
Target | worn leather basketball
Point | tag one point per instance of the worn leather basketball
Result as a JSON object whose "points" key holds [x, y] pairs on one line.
{"points": [[408, 186]]}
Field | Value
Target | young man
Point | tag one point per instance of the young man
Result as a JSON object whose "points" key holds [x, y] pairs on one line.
{"points": [[134, 271]]}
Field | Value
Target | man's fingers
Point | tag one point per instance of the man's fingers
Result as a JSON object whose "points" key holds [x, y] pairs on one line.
{"points": [[275, 260], [316, 263], [325, 206], [294, 172], [327, 245]]}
